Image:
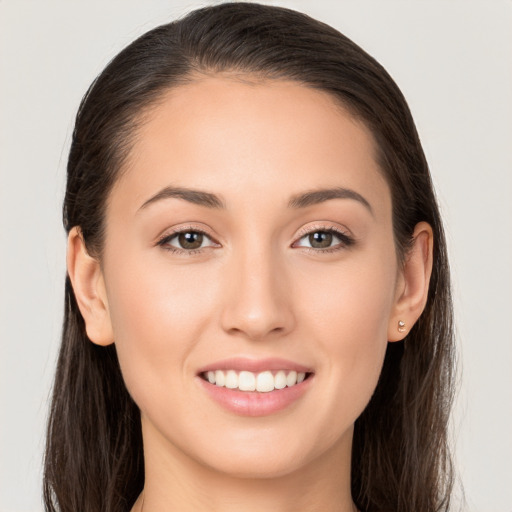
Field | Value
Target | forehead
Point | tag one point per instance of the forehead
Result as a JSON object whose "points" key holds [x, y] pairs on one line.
{"points": [[236, 137]]}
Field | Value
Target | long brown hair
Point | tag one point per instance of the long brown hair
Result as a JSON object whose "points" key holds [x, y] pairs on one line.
{"points": [[400, 460]]}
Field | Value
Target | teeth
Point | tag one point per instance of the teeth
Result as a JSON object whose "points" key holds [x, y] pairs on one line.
{"points": [[220, 378], [246, 381], [280, 380], [263, 382], [231, 380], [291, 379]]}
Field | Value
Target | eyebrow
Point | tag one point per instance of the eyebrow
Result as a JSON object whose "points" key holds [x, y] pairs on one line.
{"points": [[303, 200], [198, 197], [313, 197]]}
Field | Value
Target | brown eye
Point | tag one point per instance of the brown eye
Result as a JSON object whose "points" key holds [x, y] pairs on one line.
{"points": [[187, 241], [325, 240], [320, 239], [190, 240]]}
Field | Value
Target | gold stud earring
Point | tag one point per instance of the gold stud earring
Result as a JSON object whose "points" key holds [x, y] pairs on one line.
{"points": [[401, 326]]}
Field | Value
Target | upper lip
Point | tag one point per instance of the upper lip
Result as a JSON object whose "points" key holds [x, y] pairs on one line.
{"points": [[255, 365]]}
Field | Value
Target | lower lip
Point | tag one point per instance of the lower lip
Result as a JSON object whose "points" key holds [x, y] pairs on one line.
{"points": [[254, 403]]}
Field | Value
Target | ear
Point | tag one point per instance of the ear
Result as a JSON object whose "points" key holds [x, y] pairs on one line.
{"points": [[89, 286], [412, 284]]}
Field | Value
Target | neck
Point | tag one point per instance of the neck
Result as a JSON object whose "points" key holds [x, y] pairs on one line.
{"points": [[175, 481]]}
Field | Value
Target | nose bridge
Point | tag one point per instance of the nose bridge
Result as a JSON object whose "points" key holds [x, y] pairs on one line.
{"points": [[258, 303]]}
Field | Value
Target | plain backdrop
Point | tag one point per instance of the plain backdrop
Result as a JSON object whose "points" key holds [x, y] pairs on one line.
{"points": [[452, 60]]}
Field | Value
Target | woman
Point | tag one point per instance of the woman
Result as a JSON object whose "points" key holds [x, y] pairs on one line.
{"points": [[258, 308]]}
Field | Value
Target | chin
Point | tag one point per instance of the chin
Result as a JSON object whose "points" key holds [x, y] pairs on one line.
{"points": [[247, 466], [265, 454]]}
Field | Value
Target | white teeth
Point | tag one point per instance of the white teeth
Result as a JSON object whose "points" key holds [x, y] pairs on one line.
{"points": [[219, 378], [231, 380], [291, 379], [280, 380], [246, 381], [263, 382]]}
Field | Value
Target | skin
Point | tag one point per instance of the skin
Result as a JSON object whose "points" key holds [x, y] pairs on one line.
{"points": [[257, 292]]}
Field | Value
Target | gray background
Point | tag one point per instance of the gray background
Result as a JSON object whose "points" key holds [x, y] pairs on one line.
{"points": [[452, 60]]}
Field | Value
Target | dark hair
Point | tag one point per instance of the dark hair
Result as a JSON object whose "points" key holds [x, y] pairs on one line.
{"points": [[400, 459]]}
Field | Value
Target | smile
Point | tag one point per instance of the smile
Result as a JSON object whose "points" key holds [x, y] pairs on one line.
{"points": [[255, 387], [263, 382]]}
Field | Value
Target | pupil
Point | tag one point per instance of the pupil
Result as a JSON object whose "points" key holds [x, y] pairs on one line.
{"points": [[190, 240], [320, 239]]}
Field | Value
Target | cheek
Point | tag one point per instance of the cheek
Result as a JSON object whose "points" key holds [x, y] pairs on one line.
{"points": [[352, 300], [349, 310], [157, 313]]}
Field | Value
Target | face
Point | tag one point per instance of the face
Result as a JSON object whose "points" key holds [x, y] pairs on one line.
{"points": [[249, 243]]}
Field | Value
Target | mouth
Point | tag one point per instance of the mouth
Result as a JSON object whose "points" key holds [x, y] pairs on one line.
{"points": [[250, 387], [262, 382]]}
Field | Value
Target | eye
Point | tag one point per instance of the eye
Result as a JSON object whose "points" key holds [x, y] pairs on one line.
{"points": [[323, 239], [189, 240]]}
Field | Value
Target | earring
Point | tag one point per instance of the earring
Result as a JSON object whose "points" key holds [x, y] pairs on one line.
{"points": [[401, 326]]}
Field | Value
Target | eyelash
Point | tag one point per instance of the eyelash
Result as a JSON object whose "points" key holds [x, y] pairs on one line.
{"points": [[345, 240], [164, 241]]}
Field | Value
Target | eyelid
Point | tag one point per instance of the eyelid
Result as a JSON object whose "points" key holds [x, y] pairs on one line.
{"points": [[183, 228], [329, 226]]}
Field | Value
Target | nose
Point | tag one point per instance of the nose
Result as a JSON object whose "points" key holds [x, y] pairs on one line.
{"points": [[258, 304]]}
